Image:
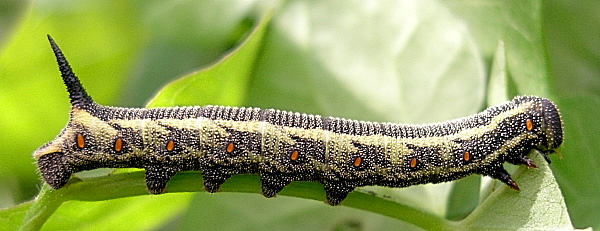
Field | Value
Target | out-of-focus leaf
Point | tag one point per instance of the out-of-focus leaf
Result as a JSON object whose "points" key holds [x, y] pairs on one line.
{"points": [[225, 82], [576, 168], [130, 213], [184, 36], [498, 83], [572, 32], [11, 218], [390, 61], [11, 14], [519, 25]]}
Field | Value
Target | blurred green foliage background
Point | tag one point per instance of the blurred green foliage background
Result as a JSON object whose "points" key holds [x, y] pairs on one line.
{"points": [[125, 51]]}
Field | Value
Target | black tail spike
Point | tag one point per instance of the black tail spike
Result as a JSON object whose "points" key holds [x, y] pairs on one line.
{"points": [[79, 98]]}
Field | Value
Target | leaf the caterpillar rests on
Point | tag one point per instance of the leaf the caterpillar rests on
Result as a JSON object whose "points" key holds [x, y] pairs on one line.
{"points": [[283, 146]]}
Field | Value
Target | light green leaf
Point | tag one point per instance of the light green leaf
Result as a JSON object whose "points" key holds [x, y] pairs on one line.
{"points": [[128, 213], [392, 61], [498, 84], [538, 205], [225, 82], [12, 217], [519, 25]]}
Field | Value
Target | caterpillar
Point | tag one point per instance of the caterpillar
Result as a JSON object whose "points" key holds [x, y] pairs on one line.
{"points": [[282, 146]]}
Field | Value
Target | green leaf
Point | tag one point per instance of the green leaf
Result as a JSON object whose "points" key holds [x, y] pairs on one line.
{"points": [[394, 68], [128, 213], [10, 15], [498, 85], [538, 205], [12, 217], [519, 26], [225, 82], [574, 53], [576, 169]]}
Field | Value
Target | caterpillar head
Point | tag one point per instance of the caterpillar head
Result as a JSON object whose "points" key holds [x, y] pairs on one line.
{"points": [[548, 118], [552, 124]]}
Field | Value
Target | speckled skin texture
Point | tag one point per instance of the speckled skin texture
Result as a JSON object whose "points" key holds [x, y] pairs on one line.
{"points": [[283, 146]]}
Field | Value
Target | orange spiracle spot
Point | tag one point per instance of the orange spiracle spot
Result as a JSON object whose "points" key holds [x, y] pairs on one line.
{"points": [[413, 162], [230, 147], [170, 145], [80, 140], [529, 125], [295, 155], [466, 156], [357, 162], [118, 144]]}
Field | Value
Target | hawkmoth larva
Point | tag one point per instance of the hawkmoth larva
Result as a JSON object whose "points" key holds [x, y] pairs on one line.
{"points": [[283, 147]]}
